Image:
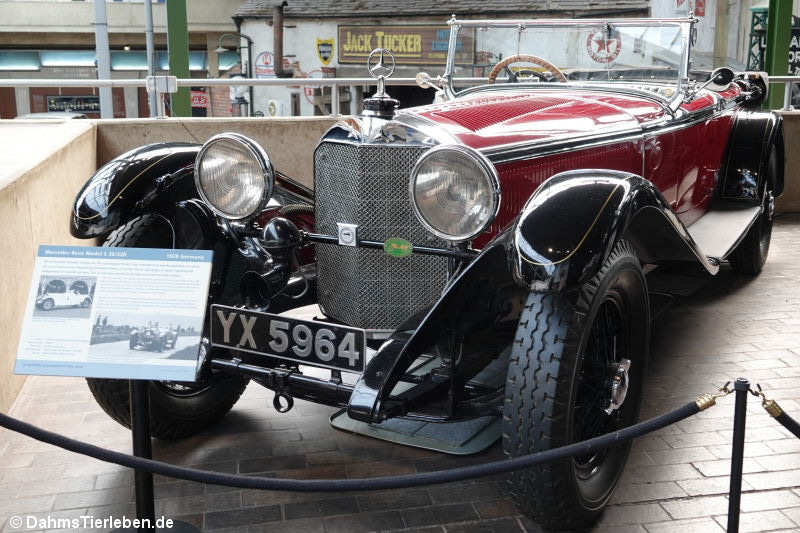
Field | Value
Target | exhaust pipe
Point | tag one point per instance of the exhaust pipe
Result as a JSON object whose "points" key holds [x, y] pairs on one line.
{"points": [[277, 41]]}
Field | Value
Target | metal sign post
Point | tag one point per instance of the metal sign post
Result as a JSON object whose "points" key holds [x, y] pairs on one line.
{"points": [[139, 391]]}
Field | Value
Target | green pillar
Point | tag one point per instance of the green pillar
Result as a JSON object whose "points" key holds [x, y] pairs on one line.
{"points": [[777, 54], [178, 46]]}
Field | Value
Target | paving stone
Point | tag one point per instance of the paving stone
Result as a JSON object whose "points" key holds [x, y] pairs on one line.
{"points": [[495, 509], [439, 514], [396, 499], [696, 525], [301, 525], [502, 525], [330, 507], [241, 517], [773, 480], [682, 455], [695, 507], [651, 474], [73, 500], [641, 492], [272, 464], [760, 521], [363, 522], [722, 467], [711, 485], [764, 501], [638, 513]]}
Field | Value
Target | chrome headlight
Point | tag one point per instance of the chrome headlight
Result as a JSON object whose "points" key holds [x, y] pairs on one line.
{"points": [[455, 192], [233, 175]]}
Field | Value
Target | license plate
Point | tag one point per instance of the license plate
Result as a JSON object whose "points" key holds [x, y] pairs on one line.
{"points": [[302, 341]]}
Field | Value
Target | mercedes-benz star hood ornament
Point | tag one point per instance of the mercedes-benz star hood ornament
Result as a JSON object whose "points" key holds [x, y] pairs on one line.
{"points": [[380, 65]]}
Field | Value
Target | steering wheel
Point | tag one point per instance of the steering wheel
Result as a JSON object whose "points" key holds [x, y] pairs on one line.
{"points": [[527, 58]]}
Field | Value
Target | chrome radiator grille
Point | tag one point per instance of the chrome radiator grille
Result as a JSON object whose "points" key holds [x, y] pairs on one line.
{"points": [[368, 185]]}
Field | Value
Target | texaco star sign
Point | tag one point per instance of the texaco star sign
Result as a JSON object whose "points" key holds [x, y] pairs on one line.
{"points": [[602, 48]]}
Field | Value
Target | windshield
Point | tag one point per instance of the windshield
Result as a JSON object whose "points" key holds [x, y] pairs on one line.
{"points": [[625, 51]]}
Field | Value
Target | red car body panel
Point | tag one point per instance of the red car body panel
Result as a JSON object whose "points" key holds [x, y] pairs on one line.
{"points": [[681, 158]]}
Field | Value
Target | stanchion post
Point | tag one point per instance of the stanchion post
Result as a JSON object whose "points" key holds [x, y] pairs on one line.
{"points": [[742, 388], [142, 447]]}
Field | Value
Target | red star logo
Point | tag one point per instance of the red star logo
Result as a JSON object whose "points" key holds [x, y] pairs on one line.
{"points": [[603, 44]]}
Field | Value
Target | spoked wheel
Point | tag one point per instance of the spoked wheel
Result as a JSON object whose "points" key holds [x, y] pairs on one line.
{"points": [[599, 405], [48, 304], [576, 372]]}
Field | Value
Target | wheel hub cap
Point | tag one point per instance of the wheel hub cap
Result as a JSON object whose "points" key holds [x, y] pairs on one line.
{"points": [[620, 382]]}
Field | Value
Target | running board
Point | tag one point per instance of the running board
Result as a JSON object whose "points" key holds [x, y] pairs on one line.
{"points": [[465, 437], [718, 232]]}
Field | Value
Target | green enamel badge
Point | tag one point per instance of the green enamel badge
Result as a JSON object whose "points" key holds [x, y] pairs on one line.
{"points": [[397, 247]]}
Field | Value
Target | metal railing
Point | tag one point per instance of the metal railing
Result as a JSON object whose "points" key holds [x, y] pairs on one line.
{"points": [[788, 82], [169, 84]]}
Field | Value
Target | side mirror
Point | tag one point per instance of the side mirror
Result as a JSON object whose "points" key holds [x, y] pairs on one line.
{"points": [[720, 79], [426, 81]]}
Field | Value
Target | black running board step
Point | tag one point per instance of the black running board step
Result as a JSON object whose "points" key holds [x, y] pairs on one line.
{"points": [[719, 231], [456, 438]]}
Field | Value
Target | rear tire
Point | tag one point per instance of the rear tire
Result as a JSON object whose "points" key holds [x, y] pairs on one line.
{"points": [[557, 389], [750, 255], [177, 410]]}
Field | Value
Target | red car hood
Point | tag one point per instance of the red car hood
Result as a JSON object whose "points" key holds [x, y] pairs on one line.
{"points": [[489, 119]]}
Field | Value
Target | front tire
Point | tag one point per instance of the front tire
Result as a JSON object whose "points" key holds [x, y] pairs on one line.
{"points": [[48, 304], [177, 410], [563, 361]]}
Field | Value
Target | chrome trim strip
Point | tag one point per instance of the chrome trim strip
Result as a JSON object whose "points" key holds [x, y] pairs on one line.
{"points": [[581, 86], [526, 149]]}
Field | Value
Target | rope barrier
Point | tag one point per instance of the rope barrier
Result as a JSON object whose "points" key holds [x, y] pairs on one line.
{"points": [[388, 482], [775, 411]]}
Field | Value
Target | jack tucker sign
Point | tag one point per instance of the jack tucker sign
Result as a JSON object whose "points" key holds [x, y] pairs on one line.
{"points": [[410, 45]]}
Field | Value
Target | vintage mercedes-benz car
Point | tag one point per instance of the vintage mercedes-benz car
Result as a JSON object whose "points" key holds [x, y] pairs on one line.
{"points": [[152, 337], [56, 294], [483, 256]]}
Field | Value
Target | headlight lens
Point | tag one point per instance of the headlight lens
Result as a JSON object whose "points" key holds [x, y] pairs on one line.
{"points": [[455, 192], [233, 175]]}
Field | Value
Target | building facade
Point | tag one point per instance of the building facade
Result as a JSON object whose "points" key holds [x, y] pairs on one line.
{"points": [[55, 39], [332, 38]]}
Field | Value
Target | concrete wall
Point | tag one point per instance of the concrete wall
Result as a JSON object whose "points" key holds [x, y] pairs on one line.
{"points": [[41, 168], [289, 142], [790, 201]]}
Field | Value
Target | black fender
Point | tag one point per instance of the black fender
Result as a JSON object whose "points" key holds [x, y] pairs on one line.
{"points": [[744, 168], [571, 223], [129, 184], [559, 241]]}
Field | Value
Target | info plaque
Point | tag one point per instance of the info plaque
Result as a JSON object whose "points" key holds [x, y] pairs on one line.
{"points": [[126, 313]]}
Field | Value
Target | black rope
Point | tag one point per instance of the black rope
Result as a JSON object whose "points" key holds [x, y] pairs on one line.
{"points": [[789, 423], [334, 485]]}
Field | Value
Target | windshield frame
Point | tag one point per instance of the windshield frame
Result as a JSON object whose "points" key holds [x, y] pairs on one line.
{"points": [[686, 26]]}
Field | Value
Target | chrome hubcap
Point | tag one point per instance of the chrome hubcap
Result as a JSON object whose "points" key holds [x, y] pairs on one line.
{"points": [[620, 382]]}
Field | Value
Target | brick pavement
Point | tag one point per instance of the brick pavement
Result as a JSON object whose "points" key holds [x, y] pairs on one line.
{"points": [[676, 479]]}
